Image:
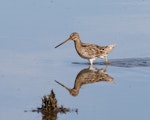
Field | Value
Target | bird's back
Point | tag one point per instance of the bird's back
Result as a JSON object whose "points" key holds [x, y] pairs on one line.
{"points": [[92, 50]]}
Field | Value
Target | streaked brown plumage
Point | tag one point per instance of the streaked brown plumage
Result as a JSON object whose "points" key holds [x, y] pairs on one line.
{"points": [[89, 51], [88, 76]]}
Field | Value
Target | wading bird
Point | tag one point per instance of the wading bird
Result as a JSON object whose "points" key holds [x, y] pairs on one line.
{"points": [[89, 51]]}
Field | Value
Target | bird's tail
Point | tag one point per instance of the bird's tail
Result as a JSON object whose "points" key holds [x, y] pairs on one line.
{"points": [[109, 48]]}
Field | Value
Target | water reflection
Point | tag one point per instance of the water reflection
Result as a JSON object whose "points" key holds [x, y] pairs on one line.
{"points": [[88, 76]]}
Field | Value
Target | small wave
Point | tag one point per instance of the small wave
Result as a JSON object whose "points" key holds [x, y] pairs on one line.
{"points": [[125, 62]]}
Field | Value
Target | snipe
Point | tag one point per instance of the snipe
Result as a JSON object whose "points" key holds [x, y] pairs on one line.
{"points": [[89, 51]]}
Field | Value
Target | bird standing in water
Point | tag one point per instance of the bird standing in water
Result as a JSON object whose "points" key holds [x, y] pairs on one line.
{"points": [[89, 51]]}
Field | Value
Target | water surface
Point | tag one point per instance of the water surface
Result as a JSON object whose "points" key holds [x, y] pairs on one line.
{"points": [[29, 64]]}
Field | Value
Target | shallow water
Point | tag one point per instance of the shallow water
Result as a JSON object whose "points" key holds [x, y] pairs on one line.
{"points": [[29, 64]]}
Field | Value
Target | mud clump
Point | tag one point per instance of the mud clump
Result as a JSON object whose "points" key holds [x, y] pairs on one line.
{"points": [[50, 108], [49, 105]]}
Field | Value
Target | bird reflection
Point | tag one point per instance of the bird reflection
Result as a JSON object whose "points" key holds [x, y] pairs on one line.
{"points": [[88, 76]]}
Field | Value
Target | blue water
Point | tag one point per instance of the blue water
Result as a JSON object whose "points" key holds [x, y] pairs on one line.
{"points": [[30, 64]]}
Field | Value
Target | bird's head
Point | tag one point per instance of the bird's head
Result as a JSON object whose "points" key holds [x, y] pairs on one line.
{"points": [[74, 36]]}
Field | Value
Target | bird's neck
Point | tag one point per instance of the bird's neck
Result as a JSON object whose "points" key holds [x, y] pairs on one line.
{"points": [[77, 44]]}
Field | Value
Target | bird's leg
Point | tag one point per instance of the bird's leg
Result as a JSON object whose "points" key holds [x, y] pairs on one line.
{"points": [[107, 62], [91, 61], [91, 67]]}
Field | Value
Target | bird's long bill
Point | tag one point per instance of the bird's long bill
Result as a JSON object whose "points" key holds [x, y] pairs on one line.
{"points": [[63, 42], [62, 85]]}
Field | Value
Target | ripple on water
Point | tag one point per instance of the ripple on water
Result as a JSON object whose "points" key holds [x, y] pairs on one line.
{"points": [[125, 62]]}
